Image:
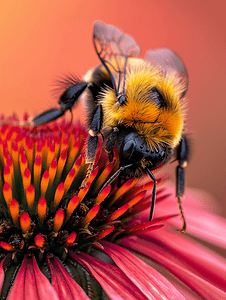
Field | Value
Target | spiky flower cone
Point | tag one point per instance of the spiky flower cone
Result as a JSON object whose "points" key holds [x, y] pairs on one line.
{"points": [[59, 229]]}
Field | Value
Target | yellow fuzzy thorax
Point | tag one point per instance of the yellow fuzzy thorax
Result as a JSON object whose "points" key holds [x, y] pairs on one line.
{"points": [[157, 125]]}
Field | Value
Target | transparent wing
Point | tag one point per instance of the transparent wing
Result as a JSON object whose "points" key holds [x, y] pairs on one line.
{"points": [[169, 61], [113, 48]]}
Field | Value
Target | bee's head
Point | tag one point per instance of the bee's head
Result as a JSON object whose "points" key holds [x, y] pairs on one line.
{"points": [[135, 150]]}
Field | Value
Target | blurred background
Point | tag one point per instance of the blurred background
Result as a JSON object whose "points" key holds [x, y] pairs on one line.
{"points": [[41, 40]]}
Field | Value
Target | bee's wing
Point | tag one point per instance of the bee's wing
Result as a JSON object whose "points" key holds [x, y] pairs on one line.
{"points": [[113, 48], [169, 61]]}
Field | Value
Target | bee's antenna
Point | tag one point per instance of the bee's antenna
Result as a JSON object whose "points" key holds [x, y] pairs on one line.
{"points": [[115, 175]]}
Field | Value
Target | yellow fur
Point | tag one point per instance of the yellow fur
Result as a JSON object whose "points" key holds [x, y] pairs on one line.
{"points": [[157, 125]]}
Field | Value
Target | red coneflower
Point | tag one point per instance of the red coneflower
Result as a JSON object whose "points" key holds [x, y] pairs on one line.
{"points": [[63, 237]]}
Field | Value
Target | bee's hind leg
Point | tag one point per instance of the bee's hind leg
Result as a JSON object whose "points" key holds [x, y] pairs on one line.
{"points": [[182, 157]]}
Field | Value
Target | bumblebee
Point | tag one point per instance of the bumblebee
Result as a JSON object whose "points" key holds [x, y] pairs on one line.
{"points": [[137, 105]]}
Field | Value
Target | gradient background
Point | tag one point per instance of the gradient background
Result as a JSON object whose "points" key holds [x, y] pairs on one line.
{"points": [[41, 40]]}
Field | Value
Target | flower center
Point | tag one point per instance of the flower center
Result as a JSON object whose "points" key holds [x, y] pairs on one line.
{"points": [[48, 205]]}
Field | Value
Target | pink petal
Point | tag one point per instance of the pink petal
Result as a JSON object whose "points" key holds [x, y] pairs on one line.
{"points": [[63, 283], [115, 283], [1, 275], [201, 221], [208, 264], [147, 279], [203, 284], [31, 283]]}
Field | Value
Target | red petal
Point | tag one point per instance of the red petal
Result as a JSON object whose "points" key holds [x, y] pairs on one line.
{"points": [[153, 284], [204, 284], [64, 284], [115, 283], [31, 284]]}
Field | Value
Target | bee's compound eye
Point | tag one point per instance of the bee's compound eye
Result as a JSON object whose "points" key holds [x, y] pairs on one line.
{"points": [[128, 149], [122, 99]]}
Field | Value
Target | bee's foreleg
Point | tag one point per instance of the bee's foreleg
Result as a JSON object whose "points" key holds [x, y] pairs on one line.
{"points": [[92, 145], [91, 149], [182, 157], [110, 143], [153, 194], [94, 130], [97, 121]]}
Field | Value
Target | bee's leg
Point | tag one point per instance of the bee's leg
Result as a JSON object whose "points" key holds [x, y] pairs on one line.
{"points": [[114, 176], [153, 194], [110, 143], [182, 157], [67, 100], [47, 116], [71, 115], [94, 130], [72, 94], [97, 121]]}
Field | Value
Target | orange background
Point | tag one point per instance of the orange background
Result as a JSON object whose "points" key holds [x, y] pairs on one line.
{"points": [[41, 40]]}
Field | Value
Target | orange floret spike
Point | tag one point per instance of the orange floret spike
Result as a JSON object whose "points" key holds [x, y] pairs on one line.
{"points": [[29, 145], [69, 179], [25, 222], [71, 239], [83, 191], [7, 193], [30, 195], [1, 148], [23, 160], [52, 171], [92, 175], [44, 183], [6, 154], [15, 156], [102, 196], [73, 153], [102, 178], [78, 162], [41, 209], [136, 199], [116, 214], [7, 175], [58, 195], [61, 163], [39, 241], [57, 144], [26, 179], [122, 190], [90, 215], [37, 170], [73, 203], [39, 146], [65, 142], [50, 154], [4, 131], [6, 246], [58, 220], [104, 233], [14, 209], [9, 162]]}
